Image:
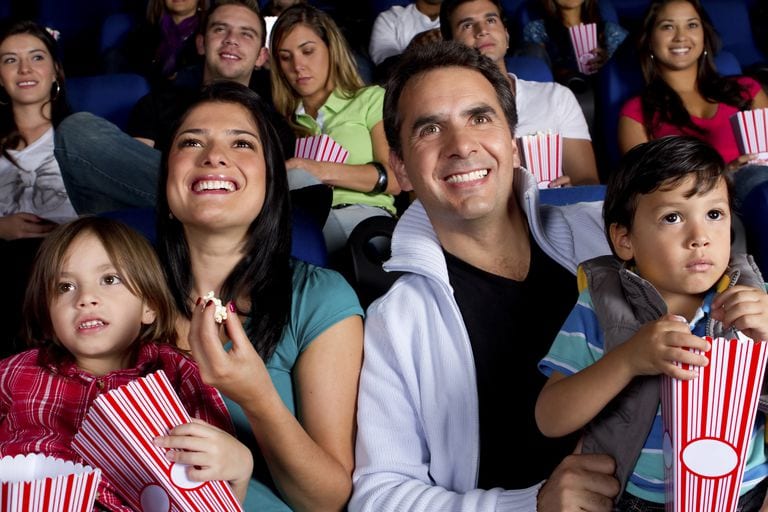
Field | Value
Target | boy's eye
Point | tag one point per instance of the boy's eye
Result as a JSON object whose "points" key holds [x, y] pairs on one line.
{"points": [[715, 214], [671, 218]]}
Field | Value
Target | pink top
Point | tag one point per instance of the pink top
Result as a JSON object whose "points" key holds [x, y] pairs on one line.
{"points": [[718, 129]]}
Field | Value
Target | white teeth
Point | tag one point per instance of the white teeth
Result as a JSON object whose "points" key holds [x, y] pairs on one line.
{"points": [[214, 185], [90, 324], [229, 56], [680, 50], [470, 176], [23, 84]]}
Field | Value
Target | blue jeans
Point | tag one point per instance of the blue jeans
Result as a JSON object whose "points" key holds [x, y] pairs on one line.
{"points": [[104, 168]]}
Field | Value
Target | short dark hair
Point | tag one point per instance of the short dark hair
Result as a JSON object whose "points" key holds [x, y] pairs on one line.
{"points": [[441, 54], [264, 273], [660, 162], [252, 5], [447, 9]]}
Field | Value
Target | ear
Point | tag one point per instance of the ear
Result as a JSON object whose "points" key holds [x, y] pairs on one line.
{"points": [[621, 241], [262, 58], [148, 314], [200, 44], [516, 162], [398, 167]]}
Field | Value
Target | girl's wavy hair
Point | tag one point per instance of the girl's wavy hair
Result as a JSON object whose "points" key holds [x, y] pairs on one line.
{"points": [[660, 103], [134, 259], [263, 274], [9, 132], [342, 74]]}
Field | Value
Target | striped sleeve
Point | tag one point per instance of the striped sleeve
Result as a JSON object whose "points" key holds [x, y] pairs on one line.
{"points": [[579, 342]]}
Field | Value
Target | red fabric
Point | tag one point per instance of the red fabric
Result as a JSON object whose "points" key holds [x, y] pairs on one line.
{"points": [[42, 405], [719, 131]]}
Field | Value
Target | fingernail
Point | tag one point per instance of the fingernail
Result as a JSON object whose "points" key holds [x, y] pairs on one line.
{"points": [[231, 306], [199, 299]]}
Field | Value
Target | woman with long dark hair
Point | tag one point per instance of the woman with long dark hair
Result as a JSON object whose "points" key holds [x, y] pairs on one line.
{"points": [[290, 374], [684, 93]]}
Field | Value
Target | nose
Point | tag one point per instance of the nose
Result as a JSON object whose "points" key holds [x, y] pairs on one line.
{"points": [[230, 38], [460, 143], [698, 236], [24, 66], [214, 155], [480, 29], [87, 296]]}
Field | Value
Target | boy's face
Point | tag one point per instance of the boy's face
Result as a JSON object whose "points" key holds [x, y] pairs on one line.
{"points": [[94, 314], [680, 244]]}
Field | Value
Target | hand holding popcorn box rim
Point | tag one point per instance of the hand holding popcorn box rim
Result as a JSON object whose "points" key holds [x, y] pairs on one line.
{"points": [[584, 40], [708, 423], [751, 130], [542, 155], [117, 436], [36, 482]]}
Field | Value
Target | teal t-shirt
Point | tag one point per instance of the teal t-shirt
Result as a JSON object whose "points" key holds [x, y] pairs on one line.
{"points": [[349, 122], [321, 298]]}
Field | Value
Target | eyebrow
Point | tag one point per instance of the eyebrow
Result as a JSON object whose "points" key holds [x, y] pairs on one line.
{"points": [[206, 131], [101, 268], [482, 16], [35, 50]]}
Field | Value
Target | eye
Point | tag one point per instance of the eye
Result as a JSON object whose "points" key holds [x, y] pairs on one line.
{"points": [[481, 119], [38, 57], [429, 129], [465, 26], [64, 287], [247, 35], [111, 279], [715, 214], [693, 24], [671, 218], [491, 21], [9, 60], [244, 144], [189, 142]]}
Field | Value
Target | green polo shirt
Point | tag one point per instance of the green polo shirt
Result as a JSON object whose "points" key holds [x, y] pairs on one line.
{"points": [[349, 122]]}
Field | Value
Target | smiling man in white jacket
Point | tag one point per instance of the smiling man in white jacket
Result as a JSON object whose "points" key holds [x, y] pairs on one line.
{"points": [[425, 442]]}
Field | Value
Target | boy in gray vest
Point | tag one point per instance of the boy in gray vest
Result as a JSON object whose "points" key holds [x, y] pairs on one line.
{"points": [[667, 216]]}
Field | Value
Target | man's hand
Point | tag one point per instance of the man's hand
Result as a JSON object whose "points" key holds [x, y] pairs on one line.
{"points": [[24, 225], [580, 482]]}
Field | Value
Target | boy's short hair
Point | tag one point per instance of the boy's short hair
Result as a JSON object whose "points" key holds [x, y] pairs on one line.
{"points": [[252, 5], [653, 164]]}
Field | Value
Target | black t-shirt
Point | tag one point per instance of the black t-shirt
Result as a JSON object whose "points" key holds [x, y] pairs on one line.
{"points": [[511, 325]]}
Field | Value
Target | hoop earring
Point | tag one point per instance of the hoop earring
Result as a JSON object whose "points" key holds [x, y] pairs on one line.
{"points": [[58, 90]]}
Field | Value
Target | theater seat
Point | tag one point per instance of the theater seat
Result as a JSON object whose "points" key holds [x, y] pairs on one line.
{"points": [[109, 96], [731, 20], [529, 68]]}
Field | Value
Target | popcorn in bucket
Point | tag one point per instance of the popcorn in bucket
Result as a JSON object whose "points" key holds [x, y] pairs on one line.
{"points": [[117, 435], [751, 129], [584, 40], [38, 483], [708, 423], [543, 156], [321, 148]]}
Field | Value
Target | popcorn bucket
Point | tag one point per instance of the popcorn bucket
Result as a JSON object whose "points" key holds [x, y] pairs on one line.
{"points": [[708, 423], [751, 129], [584, 40], [321, 148], [117, 435], [37, 483], [543, 156]]}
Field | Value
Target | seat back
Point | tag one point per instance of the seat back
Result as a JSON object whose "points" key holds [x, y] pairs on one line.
{"points": [[110, 96], [528, 67], [114, 30], [731, 20], [369, 247]]}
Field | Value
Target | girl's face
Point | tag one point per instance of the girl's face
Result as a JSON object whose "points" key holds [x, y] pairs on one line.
{"points": [[27, 69], [94, 314], [216, 169], [305, 62], [677, 40], [181, 9]]}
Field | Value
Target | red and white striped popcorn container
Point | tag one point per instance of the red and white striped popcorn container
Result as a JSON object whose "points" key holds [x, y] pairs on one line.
{"points": [[543, 156], [708, 423], [38, 483], [751, 129], [116, 435], [321, 148], [584, 40]]}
